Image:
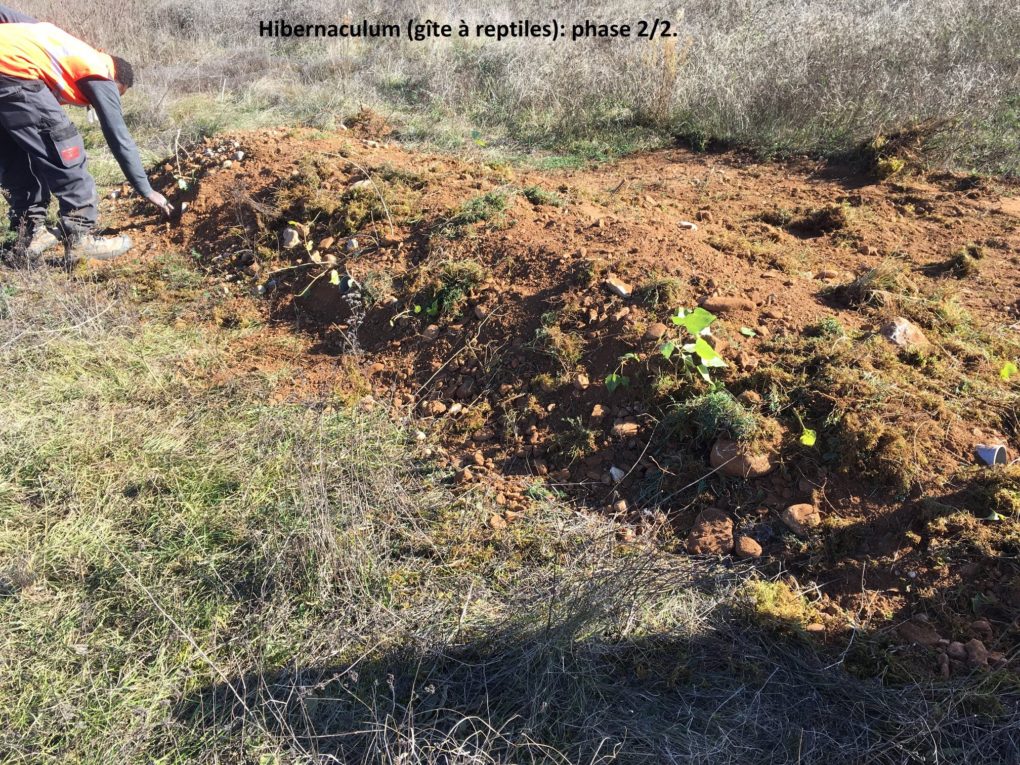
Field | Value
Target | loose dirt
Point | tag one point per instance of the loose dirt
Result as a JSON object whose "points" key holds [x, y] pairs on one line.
{"points": [[480, 307]]}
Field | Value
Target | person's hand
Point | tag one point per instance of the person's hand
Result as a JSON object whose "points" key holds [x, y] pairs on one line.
{"points": [[160, 201]]}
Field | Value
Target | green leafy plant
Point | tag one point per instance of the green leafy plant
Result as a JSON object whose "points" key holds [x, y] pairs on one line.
{"points": [[1008, 370], [616, 379], [698, 356]]}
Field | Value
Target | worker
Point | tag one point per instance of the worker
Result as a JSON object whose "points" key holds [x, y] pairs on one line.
{"points": [[41, 151]]}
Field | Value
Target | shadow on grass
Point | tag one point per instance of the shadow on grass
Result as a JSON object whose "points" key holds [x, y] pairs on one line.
{"points": [[565, 692]]}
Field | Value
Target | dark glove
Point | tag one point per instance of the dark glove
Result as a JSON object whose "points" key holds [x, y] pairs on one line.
{"points": [[160, 201]]}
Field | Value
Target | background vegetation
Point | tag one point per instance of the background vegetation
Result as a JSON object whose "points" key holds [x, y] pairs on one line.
{"points": [[774, 75]]}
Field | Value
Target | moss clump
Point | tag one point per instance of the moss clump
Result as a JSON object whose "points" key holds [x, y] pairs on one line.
{"points": [[566, 347], [489, 207], [878, 449], [719, 414], [662, 290], [539, 196], [779, 606], [447, 290]]}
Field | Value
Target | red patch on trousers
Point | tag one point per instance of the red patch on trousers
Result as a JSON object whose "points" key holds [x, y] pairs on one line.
{"points": [[70, 154]]}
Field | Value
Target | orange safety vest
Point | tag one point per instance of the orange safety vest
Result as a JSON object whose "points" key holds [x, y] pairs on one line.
{"points": [[44, 52]]}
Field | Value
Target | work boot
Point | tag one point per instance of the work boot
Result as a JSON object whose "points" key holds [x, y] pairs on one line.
{"points": [[33, 240], [42, 240], [92, 247]]}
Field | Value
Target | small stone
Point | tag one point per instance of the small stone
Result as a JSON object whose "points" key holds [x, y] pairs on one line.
{"points": [[620, 507], [944, 667], [497, 522], [581, 381], [734, 459], [982, 628], [815, 628], [616, 474], [238, 155], [827, 273], [464, 475], [431, 332], [436, 408], [686, 224], [705, 216], [918, 632], [801, 518], [481, 312], [352, 245], [598, 412], [750, 398], [746, 361], [478, 458], [483, 434], [655, 331], [623, 313], [977, 654], [904, 334], [747, 548], [957, 651], [618, 287], [290, 238], [625, 429], [712, 533], [228, 164], [727, 304], [456, 408], [326, 243]]}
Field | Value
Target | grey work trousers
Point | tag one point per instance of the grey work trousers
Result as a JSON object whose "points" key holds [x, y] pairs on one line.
{"points": [[42, 153]]}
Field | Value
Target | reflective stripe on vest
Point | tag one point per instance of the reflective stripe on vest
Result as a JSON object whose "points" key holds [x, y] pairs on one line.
{"points": [[45, 52]]}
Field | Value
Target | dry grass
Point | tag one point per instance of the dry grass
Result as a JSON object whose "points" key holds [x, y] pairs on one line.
{"points": [[807, 76]]}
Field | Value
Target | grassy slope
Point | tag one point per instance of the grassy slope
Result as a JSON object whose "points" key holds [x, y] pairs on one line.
{"points": [[191, 573]]}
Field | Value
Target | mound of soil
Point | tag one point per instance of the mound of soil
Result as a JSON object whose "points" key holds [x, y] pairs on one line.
{"points": [[532, 320]]}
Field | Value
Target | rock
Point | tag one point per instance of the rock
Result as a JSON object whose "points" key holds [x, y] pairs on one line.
{"points": [[326, 243], [750, 398], [581, 381], [481, 312], [238, 155], [466, 388], [616, 474], [228, 164], [352, 245], [712, 533], [977, 654], [620, 507], [723, 304], [801, 518], [686, 224], [497, 522], [735, 459], [625, 429], [431, 332], [815, 628], [982, 628], [746, 361], [598, 412], [655, 331], [705, 216], [618, 287], [747, 548], [827, 273], [918, 633], [904, 334], [290, 238], [436, 408], [944, 667], [464, 475], [957, 651], [478, 458]]}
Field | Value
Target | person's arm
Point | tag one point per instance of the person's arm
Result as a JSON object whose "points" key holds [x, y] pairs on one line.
{"points": [[105, 99], [11, 16]]}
